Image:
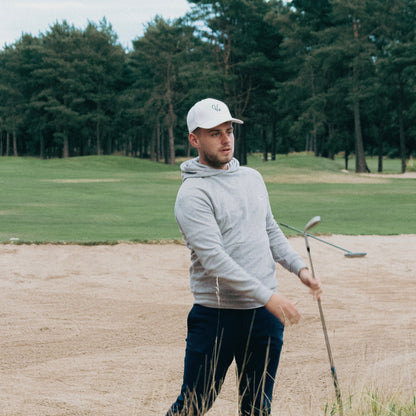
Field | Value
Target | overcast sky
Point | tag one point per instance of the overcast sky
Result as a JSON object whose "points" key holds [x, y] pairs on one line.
{"points": [[127, 17]]}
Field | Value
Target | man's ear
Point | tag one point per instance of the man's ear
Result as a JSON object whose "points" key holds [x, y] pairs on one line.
{"points": [[194, 140]]}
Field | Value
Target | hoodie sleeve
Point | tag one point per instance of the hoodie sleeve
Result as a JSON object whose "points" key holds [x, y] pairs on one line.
{"points": [[195, 216], [282, 251]]}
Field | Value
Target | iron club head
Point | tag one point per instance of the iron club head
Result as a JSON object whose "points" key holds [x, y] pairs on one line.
{"points": [[312, 222], [350, 254]]}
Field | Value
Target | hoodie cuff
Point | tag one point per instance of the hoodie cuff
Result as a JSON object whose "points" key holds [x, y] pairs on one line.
{"points": [[298, 266], [263, 294]]}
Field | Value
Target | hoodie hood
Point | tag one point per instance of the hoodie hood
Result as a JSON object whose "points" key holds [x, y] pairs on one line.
{"points": [[193, 169]]}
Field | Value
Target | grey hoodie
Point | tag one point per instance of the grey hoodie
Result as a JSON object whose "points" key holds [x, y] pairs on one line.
{"points": [[227, 223]]}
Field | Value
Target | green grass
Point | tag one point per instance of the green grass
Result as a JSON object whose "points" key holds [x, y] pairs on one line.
{"points": [[112, 198], [302, 186], [90, 199], [374, 404], [348, 208]]}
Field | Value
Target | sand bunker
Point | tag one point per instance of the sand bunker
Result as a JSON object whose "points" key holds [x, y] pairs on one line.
{"points": [[101, 330]]}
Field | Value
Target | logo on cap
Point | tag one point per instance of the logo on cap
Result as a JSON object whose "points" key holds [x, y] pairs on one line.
{"points": [[216, 107]]}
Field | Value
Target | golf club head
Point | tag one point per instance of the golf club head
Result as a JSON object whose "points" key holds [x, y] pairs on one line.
{"points": [[312, 222], [362, 254]]}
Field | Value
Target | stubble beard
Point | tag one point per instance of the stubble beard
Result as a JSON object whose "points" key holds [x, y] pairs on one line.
{"points": [[217, 163]]}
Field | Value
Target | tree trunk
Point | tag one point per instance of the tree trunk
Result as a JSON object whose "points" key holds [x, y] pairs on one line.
{"points": [[171, 124], [315, 137], [379, 149], [165, 148], [97, 137], [188, 149], [7, 144], [243, 146], [158, 147], [129, 149], [331, 141], [41, 145], [171, 156], [162, 145], [314, 140], [65, 152], [140, 146], [274, 140], [380, 158], [15, 143], [240, 147], [402, 133], [153, 146], [265, 146], [237, 143], [360, 163]]}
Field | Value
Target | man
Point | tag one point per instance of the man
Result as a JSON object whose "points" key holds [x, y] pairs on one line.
{"points": [[224, 214]]}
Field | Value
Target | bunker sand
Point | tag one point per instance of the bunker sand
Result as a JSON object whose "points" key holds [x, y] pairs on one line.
{"points": [[100, 330]]}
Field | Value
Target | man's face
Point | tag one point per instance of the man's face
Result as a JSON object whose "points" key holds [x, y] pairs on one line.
{"points": [[215, 146]]}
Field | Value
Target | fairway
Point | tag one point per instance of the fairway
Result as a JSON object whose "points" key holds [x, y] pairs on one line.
{"points": [[108, 199], [88, 200]]}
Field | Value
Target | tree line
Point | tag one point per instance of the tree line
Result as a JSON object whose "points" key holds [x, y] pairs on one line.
{"points": [[326, 76]]}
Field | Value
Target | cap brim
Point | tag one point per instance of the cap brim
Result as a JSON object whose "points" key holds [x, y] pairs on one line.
{"points": [[211, 124]]}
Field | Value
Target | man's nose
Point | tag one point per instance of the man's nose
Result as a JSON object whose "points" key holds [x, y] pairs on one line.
{"points": [[225, 138]]}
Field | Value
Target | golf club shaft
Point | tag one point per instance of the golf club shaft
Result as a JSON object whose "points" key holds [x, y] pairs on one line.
{"points": [[331, 360], [324, 241], [328, 347], [315, 237]]}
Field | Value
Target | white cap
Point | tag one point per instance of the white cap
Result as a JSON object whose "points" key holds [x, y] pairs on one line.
{"points": [[209, 113]]}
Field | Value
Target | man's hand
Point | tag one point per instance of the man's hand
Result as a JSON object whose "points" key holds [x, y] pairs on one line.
{"points": [[307, 279], [283, 309]]}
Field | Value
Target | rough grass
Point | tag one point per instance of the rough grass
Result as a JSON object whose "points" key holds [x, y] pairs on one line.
{"points": [[373, 403]]}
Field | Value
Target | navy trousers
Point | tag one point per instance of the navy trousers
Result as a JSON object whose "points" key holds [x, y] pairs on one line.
{"points": [[253, 337]]}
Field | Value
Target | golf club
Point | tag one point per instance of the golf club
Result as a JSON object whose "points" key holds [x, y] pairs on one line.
{"points": [[314, 221], [348, 252]]}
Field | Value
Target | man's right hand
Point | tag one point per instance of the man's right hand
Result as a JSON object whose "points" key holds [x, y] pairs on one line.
{"points": [[283, 309]]}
